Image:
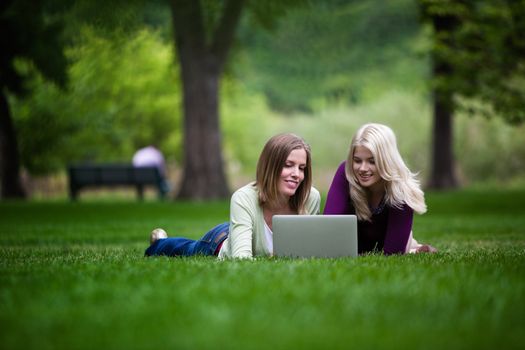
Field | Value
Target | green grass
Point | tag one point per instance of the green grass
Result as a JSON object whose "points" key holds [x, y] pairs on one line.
{"points": [[72, 276]]}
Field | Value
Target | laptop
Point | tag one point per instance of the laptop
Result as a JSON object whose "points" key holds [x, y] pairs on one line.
{"points": [[314, 236]]}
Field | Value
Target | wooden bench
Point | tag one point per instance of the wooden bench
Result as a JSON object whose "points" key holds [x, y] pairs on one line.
{"points": [[91, 175]]}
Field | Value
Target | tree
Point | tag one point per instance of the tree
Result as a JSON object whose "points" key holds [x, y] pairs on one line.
{"points": [[478, 58], [203, 34], [120, 97], [203, 37], [442, 173], [36, 39], [202, 62]]}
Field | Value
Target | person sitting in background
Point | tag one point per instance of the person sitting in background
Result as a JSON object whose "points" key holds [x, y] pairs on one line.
{"points": [[283, 185], [375, 184], [150, 156]]}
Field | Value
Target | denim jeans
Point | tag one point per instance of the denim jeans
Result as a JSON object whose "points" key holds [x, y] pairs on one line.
{"points": [[179, 246]]}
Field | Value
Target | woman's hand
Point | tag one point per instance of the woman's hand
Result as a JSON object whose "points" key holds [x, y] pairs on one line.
{"points": [[426, 248]]}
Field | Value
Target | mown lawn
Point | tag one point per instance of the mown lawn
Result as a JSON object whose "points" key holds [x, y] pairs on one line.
{"points": [[72, 276]]}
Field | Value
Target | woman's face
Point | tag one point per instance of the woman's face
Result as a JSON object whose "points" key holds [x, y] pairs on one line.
{"points": [[365, 169], [292, 173]]}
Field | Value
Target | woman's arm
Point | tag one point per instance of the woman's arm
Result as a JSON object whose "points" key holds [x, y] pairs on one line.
{"points": [[242, 222], [398, 230], [338, 199]]}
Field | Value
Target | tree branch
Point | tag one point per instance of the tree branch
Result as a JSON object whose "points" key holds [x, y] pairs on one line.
{"points": [[225, 32]]}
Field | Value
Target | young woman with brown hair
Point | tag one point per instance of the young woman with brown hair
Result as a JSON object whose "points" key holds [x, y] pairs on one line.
{"points": [[283, 186]]}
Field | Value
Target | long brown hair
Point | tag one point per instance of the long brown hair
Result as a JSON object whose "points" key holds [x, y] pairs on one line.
{"points": [[270, 165]]}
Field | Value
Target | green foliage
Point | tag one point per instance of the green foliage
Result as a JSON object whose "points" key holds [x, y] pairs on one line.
{"points": [[128, 92], [489, 150], [42, 133], [330, 131], [108, 16], [342, 63], [266, 14], [335, 52], [482, 42], [246, 125], [123, 95], [36, 38], [74, 276], [486, 150]]}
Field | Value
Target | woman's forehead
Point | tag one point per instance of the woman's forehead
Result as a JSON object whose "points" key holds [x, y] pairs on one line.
{"points": [[298, 154], [362, 151]]}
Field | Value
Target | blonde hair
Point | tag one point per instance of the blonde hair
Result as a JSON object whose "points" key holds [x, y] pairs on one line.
{"points": [[269, 168], [401, 185]]}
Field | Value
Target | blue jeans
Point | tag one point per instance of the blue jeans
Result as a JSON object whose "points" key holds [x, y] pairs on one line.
{"points": [[178, 246]]}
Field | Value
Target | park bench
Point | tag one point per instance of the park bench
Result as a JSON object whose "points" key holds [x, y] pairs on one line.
{"points": [[111, 175]]}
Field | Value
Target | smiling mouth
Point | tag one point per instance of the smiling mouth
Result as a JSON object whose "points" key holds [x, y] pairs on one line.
{"points": [[292, 183], [365, 177]]}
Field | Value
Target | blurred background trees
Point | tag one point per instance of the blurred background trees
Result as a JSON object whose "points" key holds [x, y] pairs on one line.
{"points": [[29, 31], [478, 66], [319, 69]]}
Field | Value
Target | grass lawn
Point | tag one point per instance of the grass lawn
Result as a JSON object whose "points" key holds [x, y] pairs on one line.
{"points": [[73, 276]]}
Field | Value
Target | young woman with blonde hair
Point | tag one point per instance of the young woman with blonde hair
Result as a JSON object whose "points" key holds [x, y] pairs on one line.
{"points": [[283, 186], [375, 184]]}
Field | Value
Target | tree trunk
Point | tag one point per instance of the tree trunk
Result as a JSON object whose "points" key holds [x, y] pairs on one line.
{"points": [[201, 62], [443, 175], [9, 157], [203, 176]]}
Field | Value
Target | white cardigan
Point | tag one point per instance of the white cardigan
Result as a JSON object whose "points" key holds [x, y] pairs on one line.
{"points": [[246, 238]]}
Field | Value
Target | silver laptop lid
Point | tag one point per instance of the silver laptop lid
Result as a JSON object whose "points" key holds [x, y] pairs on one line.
{"points": [[326, 236]]}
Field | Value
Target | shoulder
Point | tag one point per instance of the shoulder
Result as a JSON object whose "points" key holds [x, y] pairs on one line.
{"points": [[340, 181], [249, 189], [313, 202], [340, 173], [341, 168], [247, 194], [314, 194]]}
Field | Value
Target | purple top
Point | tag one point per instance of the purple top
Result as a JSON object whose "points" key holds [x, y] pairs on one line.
{"points": [[389, 229]]}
